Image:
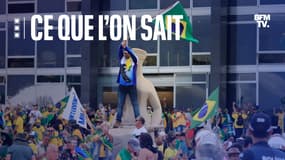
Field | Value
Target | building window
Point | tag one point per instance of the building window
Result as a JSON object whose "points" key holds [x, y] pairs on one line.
{"points": [[18, 82], [273, 38], [150, 60], [271, 58], [235, 18], [148, 46], [109, 96], [244, 94], [202, 3], [74, 62], [50, 53], [242, 44], [271, 93], [166, 3], [50, 79], [272, 2], [241, 77], [73, 6], [174, 53], [21, 8], [2, 48], [113, 5], [51, 6], [3, 7], [146, 4], [242, 2], [2, 94], [201, 60], [2, 80], [202, 31], [2, 25], [195, 92], [74, 81], [20, 62], [73, 47], [110, 56], [20, 46]]}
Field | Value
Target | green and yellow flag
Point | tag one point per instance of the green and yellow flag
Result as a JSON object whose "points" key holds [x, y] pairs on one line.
{"points": [[60, 105], [185, 25], [208, 110]]}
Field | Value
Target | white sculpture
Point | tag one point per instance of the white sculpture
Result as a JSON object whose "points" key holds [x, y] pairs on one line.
{"points": [[146, 96]]}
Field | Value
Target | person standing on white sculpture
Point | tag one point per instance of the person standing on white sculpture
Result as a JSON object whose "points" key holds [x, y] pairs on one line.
{"points": [[127, 81]]}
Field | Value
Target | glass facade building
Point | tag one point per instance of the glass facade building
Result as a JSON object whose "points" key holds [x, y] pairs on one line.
{"points": [[253, 59]]}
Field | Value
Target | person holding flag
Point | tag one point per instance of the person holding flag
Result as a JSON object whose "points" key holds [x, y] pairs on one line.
{"points": [[131, 151], [207, 111]]}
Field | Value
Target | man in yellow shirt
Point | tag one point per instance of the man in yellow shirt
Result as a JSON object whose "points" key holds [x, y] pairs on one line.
{"points": [[171, 153], [239, 117], [19, 123], [39, 129], [179, 121]]}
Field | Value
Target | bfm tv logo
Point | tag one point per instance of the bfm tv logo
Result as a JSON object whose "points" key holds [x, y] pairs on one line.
{"points": [[262, 20]]}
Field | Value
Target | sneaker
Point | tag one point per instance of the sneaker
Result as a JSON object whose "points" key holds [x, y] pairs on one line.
{"points": [[117, 124]]}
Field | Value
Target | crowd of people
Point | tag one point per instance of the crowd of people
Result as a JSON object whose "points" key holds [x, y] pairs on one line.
{"points": [[39, 133]]}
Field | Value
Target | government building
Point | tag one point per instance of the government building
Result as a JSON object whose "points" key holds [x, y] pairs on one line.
{"points": [[246, 60]]}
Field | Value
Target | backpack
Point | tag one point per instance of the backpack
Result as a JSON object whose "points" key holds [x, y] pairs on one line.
{"points": [[239, 120]]}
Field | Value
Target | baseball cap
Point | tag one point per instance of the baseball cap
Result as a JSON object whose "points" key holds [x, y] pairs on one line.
{"points": [[260, 125], [135, 144]]}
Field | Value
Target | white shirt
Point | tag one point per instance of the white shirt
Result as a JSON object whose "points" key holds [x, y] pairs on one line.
{"points": [[137, 132], [34, 115]]}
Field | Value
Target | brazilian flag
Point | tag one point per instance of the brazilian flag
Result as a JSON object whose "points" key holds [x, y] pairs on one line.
{"points": [[61, 106], [185, 25], [208, 110]]}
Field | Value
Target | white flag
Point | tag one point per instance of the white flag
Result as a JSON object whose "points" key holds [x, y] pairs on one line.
{"points": [[74, 110]]}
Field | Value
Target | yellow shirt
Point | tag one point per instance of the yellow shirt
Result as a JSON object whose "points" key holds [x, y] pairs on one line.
{"points": [[235, 117], [19, 125], [77, 133], [111, 118], [180, 119], [160, 148], [174, 122], [8, 121], [55, 140], [169, 153], [39, 132], [102, 151], [45, 114], [34, 148]]}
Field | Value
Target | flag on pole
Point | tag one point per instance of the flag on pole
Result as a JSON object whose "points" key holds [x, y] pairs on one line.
{"points": [[52, 116], [74, 110], [62, 103], [185, 25], [208, 110]]}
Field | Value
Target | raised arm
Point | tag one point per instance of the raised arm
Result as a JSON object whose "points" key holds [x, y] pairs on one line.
{"points": [[121, 48]]}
